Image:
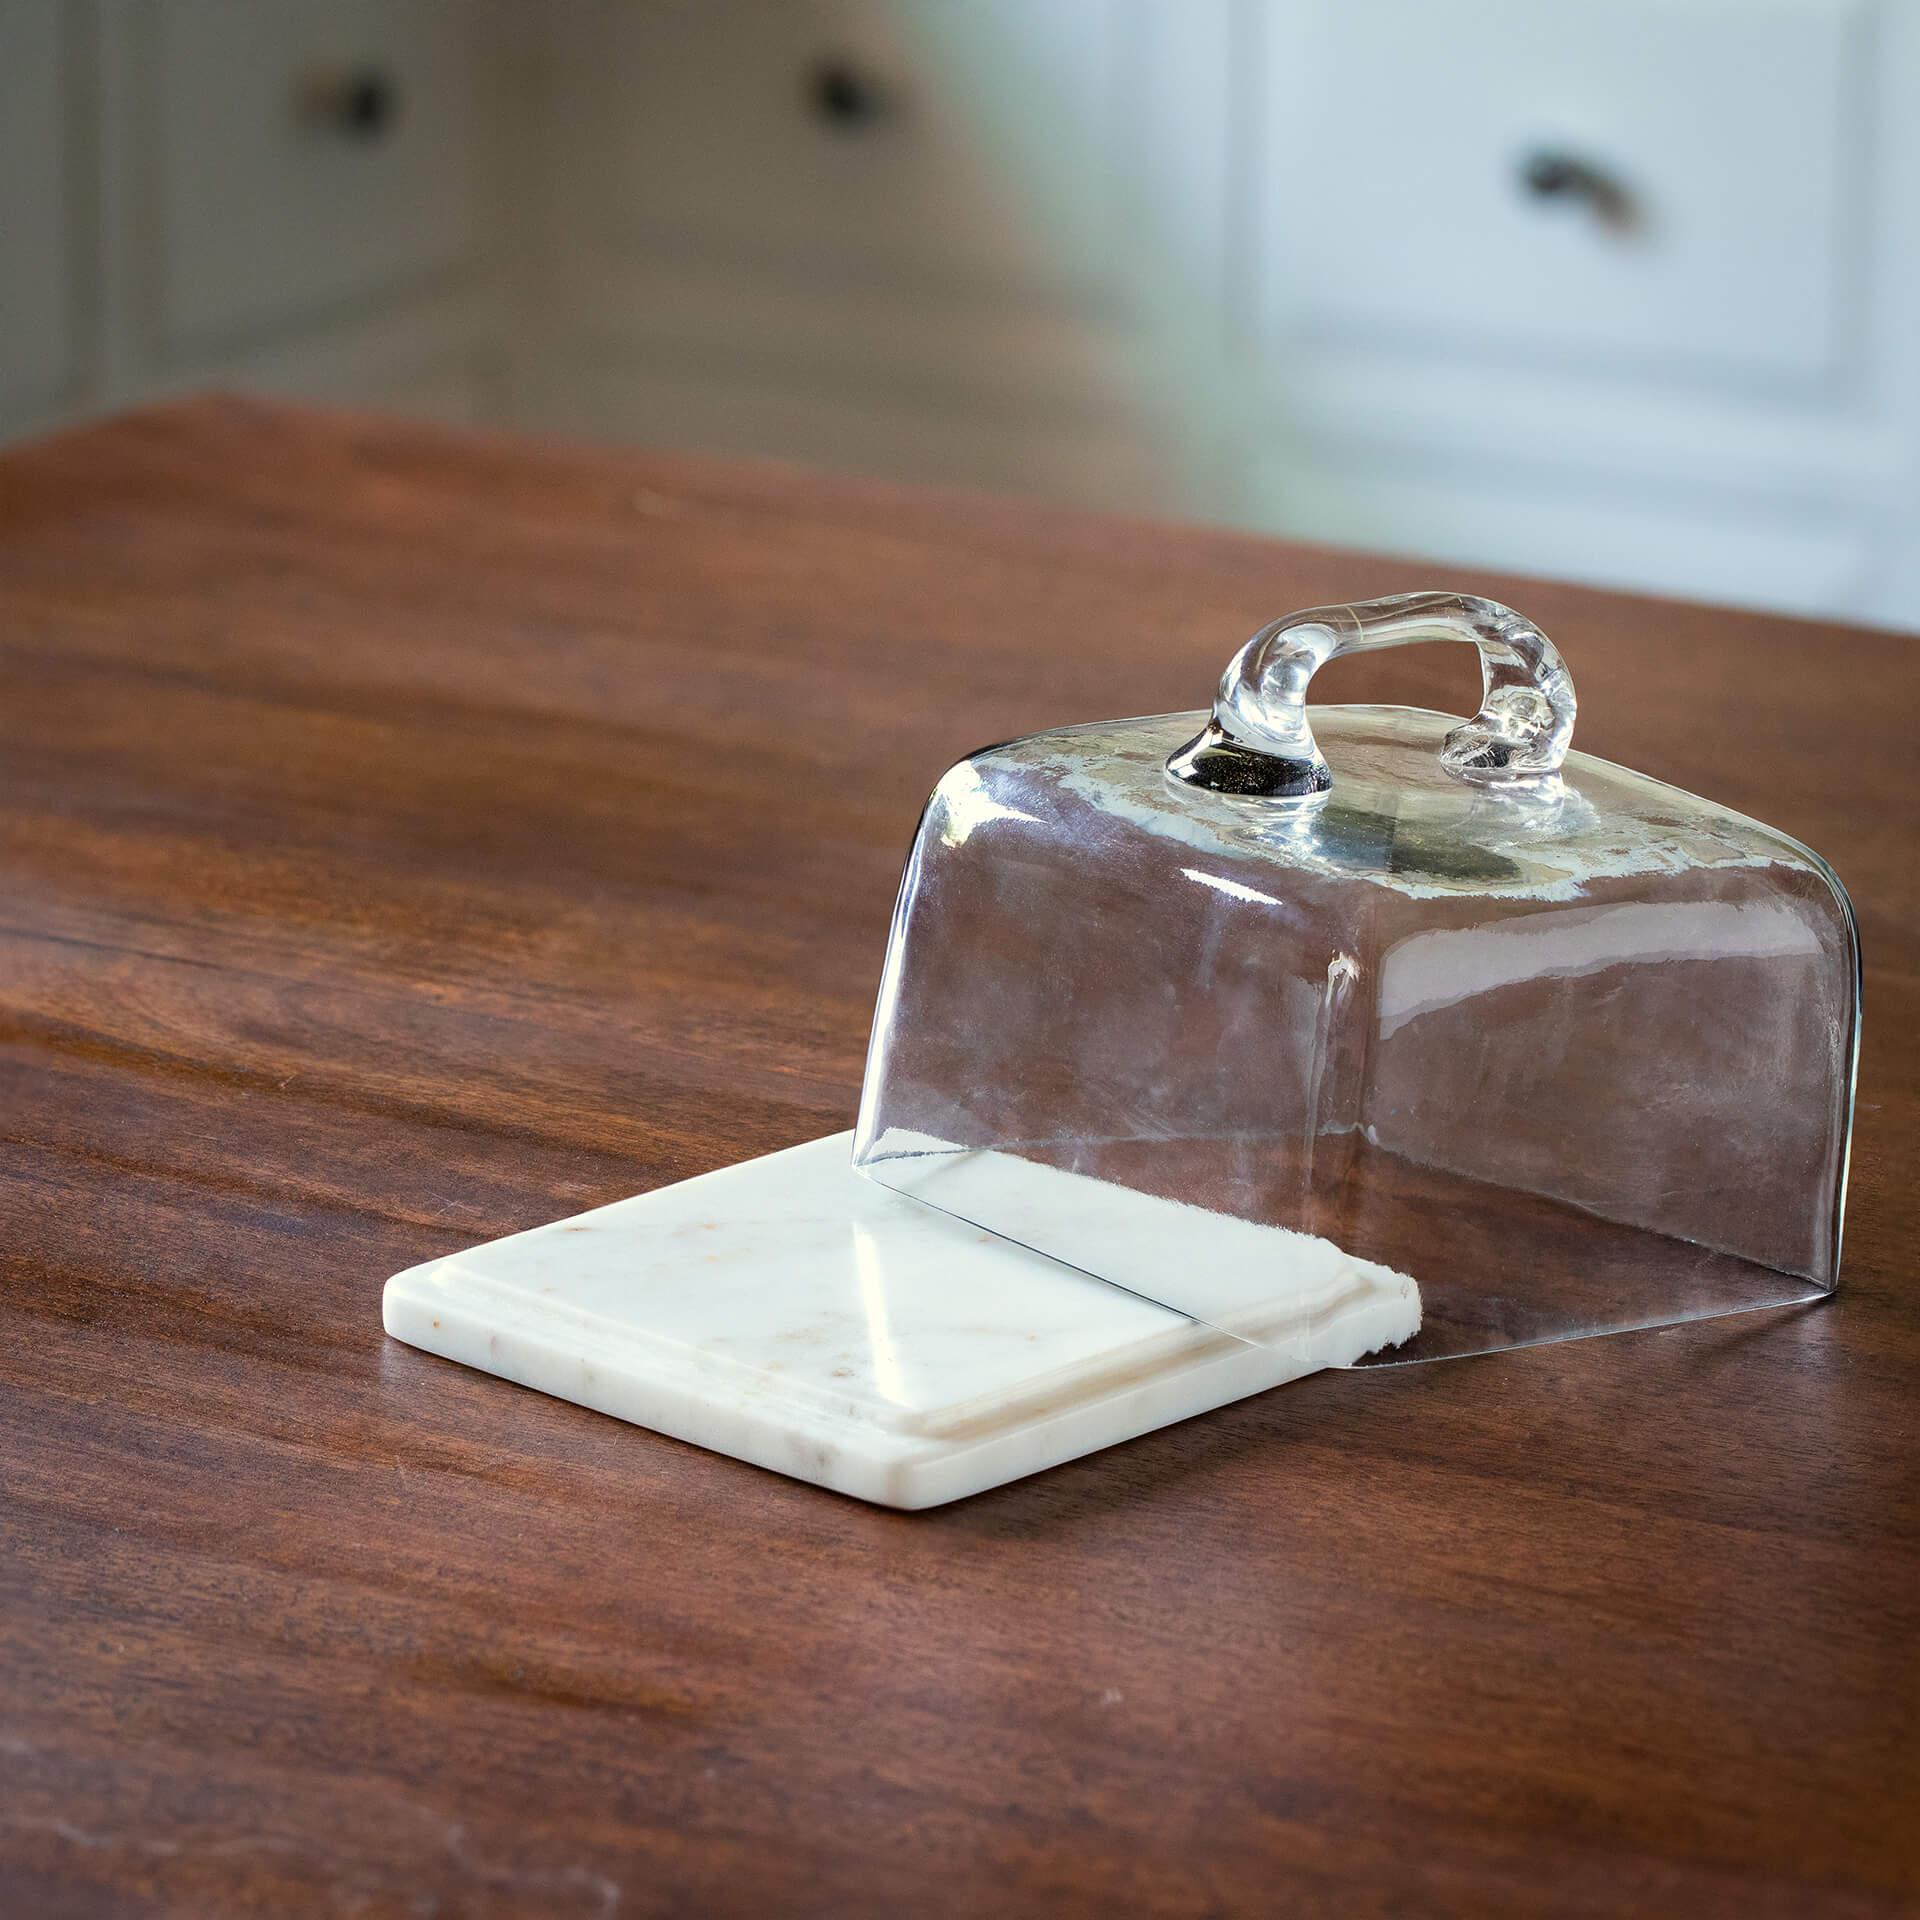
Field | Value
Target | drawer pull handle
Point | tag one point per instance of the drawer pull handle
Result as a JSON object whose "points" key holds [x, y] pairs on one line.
{"points": [[1550, 174], [844, 97], [360, 103]]}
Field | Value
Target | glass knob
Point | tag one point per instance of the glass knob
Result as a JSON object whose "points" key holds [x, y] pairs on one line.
{"points": [[1258, 741]]}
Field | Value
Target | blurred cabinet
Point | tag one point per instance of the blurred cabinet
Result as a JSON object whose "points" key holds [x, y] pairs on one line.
{"points": [[288, 196], [900, 439], [1637, 187], [1619, 289], [892, 234], [1783, 554], [1614, 288], [38, 296], [844, 139], [306, 157]]}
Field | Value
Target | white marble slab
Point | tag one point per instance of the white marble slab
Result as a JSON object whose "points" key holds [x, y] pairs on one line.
{"points": [[796, 1315]]}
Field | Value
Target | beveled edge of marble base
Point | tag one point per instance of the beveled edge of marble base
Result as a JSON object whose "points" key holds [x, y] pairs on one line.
{"points": [[903, 1471], [621, 1368]]}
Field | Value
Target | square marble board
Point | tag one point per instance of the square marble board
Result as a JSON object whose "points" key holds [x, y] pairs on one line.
{"points": [[796, 1315]]}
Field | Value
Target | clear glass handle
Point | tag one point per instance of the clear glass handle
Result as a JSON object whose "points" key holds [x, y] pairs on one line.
{"points": [[1258, 741]]}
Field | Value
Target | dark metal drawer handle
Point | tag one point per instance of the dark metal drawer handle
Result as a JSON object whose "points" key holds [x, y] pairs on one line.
{"points": [[1552, 174], [359, 103], [844, 97]]}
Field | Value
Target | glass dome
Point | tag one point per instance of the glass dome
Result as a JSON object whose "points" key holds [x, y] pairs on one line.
{"points": [[1191, 1002]]}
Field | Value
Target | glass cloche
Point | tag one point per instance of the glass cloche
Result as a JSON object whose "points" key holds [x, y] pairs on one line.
{"points": [[1185, 1001]]}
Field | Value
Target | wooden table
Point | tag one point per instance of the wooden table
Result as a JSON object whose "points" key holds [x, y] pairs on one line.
{"points": [[410, 837]]}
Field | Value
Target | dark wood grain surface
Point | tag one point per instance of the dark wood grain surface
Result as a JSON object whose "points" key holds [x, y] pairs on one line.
{"points": [[410, 837]]}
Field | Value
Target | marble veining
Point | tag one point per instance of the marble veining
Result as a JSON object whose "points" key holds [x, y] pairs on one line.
{"points": [[798, 1316]]}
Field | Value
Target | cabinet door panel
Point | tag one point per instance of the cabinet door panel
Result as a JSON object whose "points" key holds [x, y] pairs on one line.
{"points": [[1667, 185], [833, 137], [1775, 555], [310, 153], [36, 268]]}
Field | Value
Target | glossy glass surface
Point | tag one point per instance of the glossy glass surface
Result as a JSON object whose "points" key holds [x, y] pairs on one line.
{"points": [[1573, 1049]]}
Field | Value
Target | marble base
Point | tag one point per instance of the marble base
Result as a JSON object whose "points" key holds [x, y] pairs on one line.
{"points": [[798, 1316]]}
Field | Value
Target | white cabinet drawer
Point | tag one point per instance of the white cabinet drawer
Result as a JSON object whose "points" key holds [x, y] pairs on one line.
{"points": [[1396, 137], [36, 277], [1776, 555], [1101, 464], [822, 138], [455, 391], [310, 153]]}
